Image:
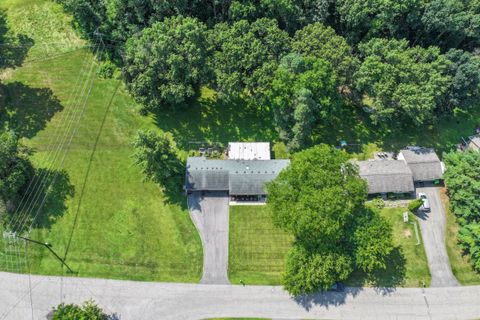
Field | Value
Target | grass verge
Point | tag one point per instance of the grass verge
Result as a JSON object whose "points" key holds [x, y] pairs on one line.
{"points": [[408, 266]]}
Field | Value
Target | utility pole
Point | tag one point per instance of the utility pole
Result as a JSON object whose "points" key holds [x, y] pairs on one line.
{"points": [[49, 247]]}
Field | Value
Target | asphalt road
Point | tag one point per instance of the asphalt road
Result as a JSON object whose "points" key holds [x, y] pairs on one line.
{"points": [[433, 226], [209, 213], [153, 301]]}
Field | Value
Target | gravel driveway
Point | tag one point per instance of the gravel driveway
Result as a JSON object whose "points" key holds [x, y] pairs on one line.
{"points": [[209, 213], [433, 226]]}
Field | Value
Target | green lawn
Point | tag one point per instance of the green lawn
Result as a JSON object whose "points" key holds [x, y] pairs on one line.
{"points": [[114, 225], [257, 249], [408, 265], [461, 267]]}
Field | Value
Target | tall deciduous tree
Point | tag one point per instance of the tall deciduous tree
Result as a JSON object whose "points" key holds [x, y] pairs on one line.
{"points": [[373, 243], [166, 65], [303, 94], [308, 271], [462, 179], [452, 23], [364, 20], [469, 237], [320, 199], [156, 155], [404, 84], [15, 168], [316, 196], [318, 40], [464, 92], [246, 55]]}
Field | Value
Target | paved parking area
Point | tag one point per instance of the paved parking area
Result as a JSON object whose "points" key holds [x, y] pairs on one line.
{"points": [[433, 226], [209, 213]]}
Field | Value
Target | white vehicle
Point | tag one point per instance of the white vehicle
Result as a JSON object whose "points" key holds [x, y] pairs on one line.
{"points": [[426, 204]]}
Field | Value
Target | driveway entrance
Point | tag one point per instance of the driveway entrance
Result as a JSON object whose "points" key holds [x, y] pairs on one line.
{"points": [[433, 226], [209, 213]]}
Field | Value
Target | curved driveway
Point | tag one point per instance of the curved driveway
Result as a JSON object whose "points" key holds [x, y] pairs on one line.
{"points": [[152, 301]]}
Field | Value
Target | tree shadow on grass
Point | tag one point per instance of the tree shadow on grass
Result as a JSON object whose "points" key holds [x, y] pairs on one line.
{"points": [[45, 200], [27, 110], [384, 281], [215, 120], [13, 49], [444, 135]]}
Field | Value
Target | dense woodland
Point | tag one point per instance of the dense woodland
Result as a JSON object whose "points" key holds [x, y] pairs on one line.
{"points": [[406, 63]]}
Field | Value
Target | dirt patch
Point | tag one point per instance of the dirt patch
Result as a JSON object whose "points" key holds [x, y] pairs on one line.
{"points": [[407, 233]]}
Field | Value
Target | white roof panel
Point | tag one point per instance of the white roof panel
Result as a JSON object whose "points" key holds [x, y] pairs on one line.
{"points": [[249, 150]]}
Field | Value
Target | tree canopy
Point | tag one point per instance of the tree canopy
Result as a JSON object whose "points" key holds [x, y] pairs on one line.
{"points": [[303, 95], [462, 179], [320, 199], [15, 167], [405, 84], [318, 40], [464, 92], [246, 54], [452, 23], [463, 183], [166, 65], [156, 154]]}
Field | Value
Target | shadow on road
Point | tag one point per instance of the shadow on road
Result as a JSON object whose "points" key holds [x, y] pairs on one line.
{"points": [[327, 298]]}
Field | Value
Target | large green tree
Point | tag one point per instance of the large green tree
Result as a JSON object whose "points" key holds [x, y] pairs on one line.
{"points": [[15, 168], [157, 156], [462, 179], [373, 242], [405, 85], [452, 23], [166, 65], [363, 20], [246, 55], [308, 271], [303, 96], [316, 196], [318, 40], [320, 199], [469, 237], [464, 92]]}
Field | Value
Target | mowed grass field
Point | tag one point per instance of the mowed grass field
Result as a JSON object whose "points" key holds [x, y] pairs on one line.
{"points": [[114, 225], [408, 266], [257, 251]]}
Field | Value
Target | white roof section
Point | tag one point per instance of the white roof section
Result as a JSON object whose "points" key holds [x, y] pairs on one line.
{"points": [[249, 150]]}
